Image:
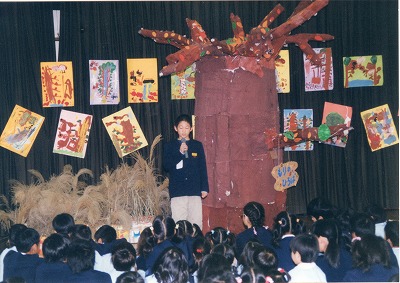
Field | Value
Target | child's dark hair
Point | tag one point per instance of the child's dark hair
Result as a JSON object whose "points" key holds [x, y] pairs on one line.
{"points": [[376, 212], [265, 259], [298, 225], [81, 232], [320, 208], [197, 231], [12, 233], [123, 256], [200, 248], [106, 233], [62, 223], [226, 250], [255, 212], [55, 248], [130, 277], [25, 239], [163, 227], [361, 224], [146, 242], [215, 268], [307, 246], [247, 256], [81, 256], [252, 275], [329, 229], [282, 225], [392, 232], [220, 235], [277, 275], [183, 230], [183, 117], [171, 266]]}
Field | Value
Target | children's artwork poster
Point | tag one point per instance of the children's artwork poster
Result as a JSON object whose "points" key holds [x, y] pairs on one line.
{"points": [[183, 83], [294, 119], [285, 175], [125, 132], [72, 133], [142, 80], [336, 114], [380, 128], [362, 71], [319, 77], [57, 84], [21, 130], [104, 82], [282, 72]]}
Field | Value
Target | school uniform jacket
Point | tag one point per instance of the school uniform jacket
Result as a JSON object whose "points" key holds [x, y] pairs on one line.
{"points": [[21, 265]]}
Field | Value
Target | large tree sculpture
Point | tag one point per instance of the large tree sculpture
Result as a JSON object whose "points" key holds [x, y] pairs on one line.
{"points": [[234, 106]]}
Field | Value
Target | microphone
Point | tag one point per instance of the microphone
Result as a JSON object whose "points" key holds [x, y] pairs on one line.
{"points": [[186, 153]]}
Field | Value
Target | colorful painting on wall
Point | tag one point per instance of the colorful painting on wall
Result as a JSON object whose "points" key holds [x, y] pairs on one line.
{"points": [[336, 114], [380, 128], [362, 71], [319, 77], [183, 83], [57, 84], [282, 72], [72, 133], [104, 82], [294, 119], [142, 80], [21, 130], [125, 132]]}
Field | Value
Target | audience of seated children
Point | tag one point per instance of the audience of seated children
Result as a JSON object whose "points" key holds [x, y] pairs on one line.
{"points": [[23, 262], [54, 269], [170, 267], [12, 233], [106, 239], [392, 236], [201, 247], [130, 277], [81, 258], [215, 268], [62, 223], [253, 219], [282, 236], [371, 261], [333, 259], [304, 248]]}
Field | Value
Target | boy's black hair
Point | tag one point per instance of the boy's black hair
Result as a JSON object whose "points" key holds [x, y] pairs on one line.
{"points": [[81, 256], [62, 223], [123, 256], [26, 239], [392, 232], [361, 224], [307, 246], [130, 277], [81, 232], [265, 259], [183, 117], [12, 233], [106, 233], [55, 248]]}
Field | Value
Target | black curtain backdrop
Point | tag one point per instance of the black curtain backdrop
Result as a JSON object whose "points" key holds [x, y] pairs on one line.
{"points": [[351, 177]]}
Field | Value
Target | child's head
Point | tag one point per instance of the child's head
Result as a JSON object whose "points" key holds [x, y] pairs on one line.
{"points": [[252, 275], [282, 226], [320, 208], [215, 268], [376, 212], [220, 235], [146, 242], [123, 256], [130, 277], [265, 259], [27, 241], [183, 126], [304, 248], [197, 231], [105, 234], [226, 250], [12, 233], [253, 214], [184, 229], [163, 228], [247, 256], [201, 247], [392, 233], [171, 266], [81, 256], [62, 223], [361, 224], [298, 225], [328, 234], [81, 232], [55, 248]]}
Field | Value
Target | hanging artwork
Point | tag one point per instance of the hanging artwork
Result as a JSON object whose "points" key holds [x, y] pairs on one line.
{"points": [[380, 128], [124, 131], [57, 84], [333, 115], [295, 119], [104, 82], [363, 71], [72, 133], [285, 175], [21, 130], [282, 72], [183, 83], [142, 80], [319, 77]]}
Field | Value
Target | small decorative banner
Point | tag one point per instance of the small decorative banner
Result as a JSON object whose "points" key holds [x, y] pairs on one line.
{"points": [[124, 131], [21, 130], [72, 134], [380, 128], [319, 77], [183, 83], [57, 84], [285, 175], [104, 82], [298, 119], [362, 71], [282, 72], [142, 80]]}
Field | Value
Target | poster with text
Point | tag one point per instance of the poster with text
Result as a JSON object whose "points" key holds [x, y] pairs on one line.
{"points": [[72, 133], [319, 77], [104, 82], [380, 128], [21, 130], [183, 83], [336, 114], [282, 72], [294, 119], [142, 80], [125, 132], [362, 71], [57, 84]]}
